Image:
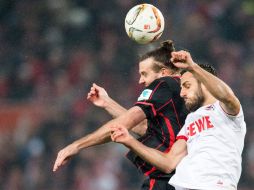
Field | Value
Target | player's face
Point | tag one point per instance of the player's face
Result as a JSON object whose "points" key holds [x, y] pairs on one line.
{"points": [[191, 92], [147, 74]]}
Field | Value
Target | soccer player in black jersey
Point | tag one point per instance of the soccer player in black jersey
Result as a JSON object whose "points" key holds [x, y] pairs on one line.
{"points": [[159, 103]]}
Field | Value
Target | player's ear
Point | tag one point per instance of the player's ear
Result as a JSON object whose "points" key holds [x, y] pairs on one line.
{"points": [[164, 72]]}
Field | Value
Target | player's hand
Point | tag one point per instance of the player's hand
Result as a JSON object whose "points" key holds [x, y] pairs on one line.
{"points": [[120, 134], [64, 155], [182, 59], [97, 95]]}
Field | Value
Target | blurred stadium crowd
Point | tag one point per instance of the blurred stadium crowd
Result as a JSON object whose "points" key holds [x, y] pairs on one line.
{"points": [[52, 51]]}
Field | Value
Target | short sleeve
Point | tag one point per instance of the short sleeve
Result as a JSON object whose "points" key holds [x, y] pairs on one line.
{"points": [[238, 119], [182, 134], [154, 97]]}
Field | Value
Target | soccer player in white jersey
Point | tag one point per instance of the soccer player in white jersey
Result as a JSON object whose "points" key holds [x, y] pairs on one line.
{"points": [[207, 154]]}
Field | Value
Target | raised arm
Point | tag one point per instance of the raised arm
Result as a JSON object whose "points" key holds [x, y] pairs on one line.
{"points": [[166, 162], [99, 97], [219, 89], [102, 135]]}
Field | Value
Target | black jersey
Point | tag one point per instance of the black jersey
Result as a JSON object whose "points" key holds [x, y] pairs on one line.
{"points": [[165, 112]]}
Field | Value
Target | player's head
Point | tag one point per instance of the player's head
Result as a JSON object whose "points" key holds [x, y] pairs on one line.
{"points": [[193, 91], [156, 64]]}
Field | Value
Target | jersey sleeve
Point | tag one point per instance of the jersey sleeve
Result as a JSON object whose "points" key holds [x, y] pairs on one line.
{"points": [[182, 134], [237, 119], [154, 97]]}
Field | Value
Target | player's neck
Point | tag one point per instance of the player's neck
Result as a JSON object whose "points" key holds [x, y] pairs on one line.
{"points": [[177, 75], [209, 100]]}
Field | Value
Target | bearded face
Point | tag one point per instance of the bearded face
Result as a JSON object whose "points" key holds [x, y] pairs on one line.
{"points": [[191, 92], [195, 101]]}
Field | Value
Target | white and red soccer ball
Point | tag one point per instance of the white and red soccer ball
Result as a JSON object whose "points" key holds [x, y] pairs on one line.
{"points": [[144, 23]]}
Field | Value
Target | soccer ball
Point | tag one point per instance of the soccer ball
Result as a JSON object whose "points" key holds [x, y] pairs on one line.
{"points": [[144, 23]]}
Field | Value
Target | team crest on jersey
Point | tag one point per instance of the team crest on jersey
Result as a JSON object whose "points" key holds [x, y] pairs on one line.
{"points": [[145, 95]]}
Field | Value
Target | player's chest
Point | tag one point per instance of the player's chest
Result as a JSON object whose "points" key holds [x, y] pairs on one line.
{"points": [[199, 125], [205, 123]]}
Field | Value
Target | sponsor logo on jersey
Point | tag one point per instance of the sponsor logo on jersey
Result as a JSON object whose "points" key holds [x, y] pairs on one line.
{"points": [[211, 107], [145, 95], [199, 125], [219, 182]]}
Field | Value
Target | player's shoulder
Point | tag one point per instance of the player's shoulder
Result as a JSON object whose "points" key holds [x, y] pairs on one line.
{"points": [[169, 81]]}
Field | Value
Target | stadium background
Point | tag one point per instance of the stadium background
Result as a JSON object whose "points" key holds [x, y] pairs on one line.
{"points": [[52, 50]]}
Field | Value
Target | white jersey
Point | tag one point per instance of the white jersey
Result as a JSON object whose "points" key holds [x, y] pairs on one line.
{"points": [[215, 142]]}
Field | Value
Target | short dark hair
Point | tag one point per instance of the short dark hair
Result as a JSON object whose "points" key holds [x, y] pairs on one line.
{"points": [[162, 55], [206, 67]]}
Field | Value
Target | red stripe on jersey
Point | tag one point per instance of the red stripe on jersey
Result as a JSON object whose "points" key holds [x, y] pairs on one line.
{"points": [[152, 182], [171, 140], [149, 104], [150, 171], [177, 117], [170, 100], [176, 114], [171, 133], [181, 137], [177, 78], [154, 90]]}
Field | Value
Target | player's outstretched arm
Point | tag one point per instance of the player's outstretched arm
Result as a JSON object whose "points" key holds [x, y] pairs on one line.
{"points": [[99, 97], [219, 89], [165, 162], [102, 135]]}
